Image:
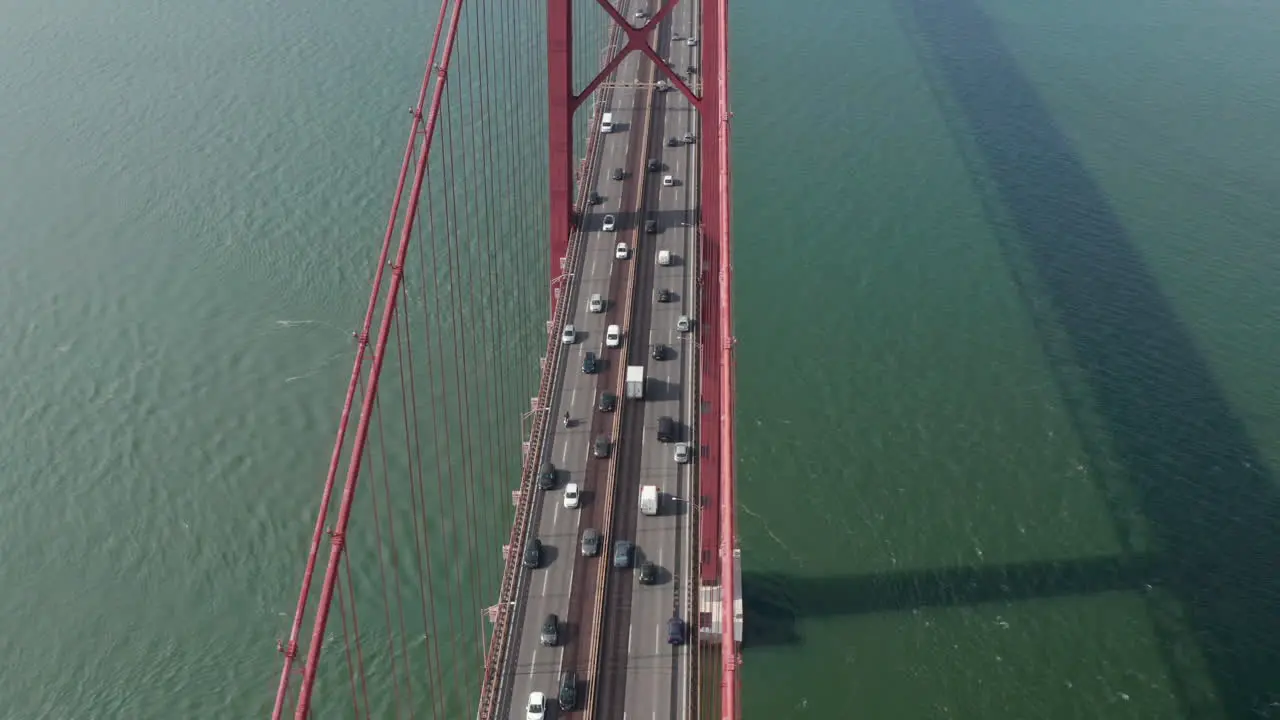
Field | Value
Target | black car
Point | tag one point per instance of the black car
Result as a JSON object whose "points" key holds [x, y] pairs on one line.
{"points": [[533, 553], [568, 690], [654, 165], [590, 542], [622, 553], [608, 401], [673, 141], [688, 137], [664, 295], [546, 476], [648, 573], [601, 449], [651, 226], [617, 174], [594, 198], [658, 351], [675, 631], [550, 631], [589, 363]]}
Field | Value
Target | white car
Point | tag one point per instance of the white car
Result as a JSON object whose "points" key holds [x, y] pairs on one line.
{"points": [[668, 181], [621, 251], [610, 223], [537, 708], [682, 453], [569, 336], [613, 336], [683, 323], [691, 41], [664, 257], [595, 303], [571, 496]]}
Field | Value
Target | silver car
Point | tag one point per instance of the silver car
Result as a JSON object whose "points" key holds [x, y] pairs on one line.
{"points": [[682, 453], [595, 303], [683, 323]]}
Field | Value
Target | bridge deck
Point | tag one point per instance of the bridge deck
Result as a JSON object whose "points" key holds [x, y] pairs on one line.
{"points": [[639, 673]]}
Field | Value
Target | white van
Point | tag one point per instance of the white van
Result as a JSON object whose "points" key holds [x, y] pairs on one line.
{"points": [[664, 257], [606, 123]]}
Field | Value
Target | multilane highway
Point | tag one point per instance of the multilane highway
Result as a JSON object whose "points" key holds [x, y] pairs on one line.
{"points": [[639, 675]]}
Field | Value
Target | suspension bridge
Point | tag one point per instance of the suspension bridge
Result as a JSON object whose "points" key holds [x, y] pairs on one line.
{"points": [[553, 534]]}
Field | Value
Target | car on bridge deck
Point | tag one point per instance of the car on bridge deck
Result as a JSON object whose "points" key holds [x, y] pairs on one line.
{"points": [[683, 323], [601, 447], [594, 198], [595, 304], [568, 690], [589, 363], [691, 41], [613, 336], [668, 180], [622, 251], [658, 351], [622, 553], [570, 335], [682, 453], [608, 401], [546, 476], [648, 573], [651, 226], [617, 174], [533, 553], [571, 496], [550, 631], [673, 141], [688, 137], [610, 223], [590, 546], [654, 165], [537, 707], [675, 631], [664, 295], [590, 542]]}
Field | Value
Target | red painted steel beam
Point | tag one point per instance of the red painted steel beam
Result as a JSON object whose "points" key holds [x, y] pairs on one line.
{"points": [[638, 41], [375, 372], [561, 104], [291, 649], [716, 31]]}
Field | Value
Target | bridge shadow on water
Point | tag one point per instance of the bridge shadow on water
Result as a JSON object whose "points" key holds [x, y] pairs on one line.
{"points": [[1209, 502], [775, 602]]}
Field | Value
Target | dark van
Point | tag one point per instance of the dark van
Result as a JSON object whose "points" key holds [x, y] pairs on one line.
{"points": [[666, 429]]}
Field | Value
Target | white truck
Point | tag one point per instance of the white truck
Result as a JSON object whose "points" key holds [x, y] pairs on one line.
{"points": [[635, 382], [649, 500]]}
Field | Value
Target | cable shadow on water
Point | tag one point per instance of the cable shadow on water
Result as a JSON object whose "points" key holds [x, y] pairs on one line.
{"points": [[1202, 486]]}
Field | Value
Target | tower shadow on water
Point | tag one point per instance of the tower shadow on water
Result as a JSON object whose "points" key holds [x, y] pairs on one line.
{"points": [[1211, 504]]}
